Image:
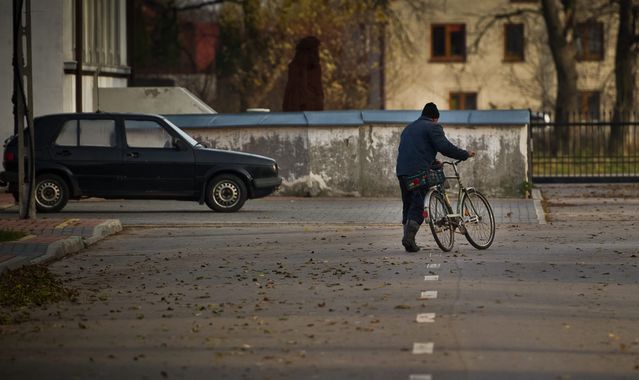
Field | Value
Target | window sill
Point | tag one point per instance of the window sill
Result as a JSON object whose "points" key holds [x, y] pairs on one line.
{"points": [[598, 59], [447, 60]]}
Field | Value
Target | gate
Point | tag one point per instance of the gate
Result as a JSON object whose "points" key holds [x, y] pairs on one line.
{"points": [[584, 149]]}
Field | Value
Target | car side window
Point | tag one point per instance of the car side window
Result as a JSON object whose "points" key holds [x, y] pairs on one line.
{"points": [[98, 133], [147, 134], [68, 135]]}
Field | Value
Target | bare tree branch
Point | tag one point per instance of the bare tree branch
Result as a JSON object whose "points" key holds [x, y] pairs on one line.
{"points": [[492, 20]]}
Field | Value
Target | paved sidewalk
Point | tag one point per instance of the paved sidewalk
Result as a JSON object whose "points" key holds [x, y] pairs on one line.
{"points": [[48, 238]]}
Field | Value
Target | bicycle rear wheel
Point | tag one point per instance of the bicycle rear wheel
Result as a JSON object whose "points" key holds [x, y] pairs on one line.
{"points": [[439, 222], [479, 220]]}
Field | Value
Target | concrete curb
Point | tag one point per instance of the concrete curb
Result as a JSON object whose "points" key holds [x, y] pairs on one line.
{"points": [[102, 230], [539, 210], [65, 246], [59, 249], [12, 264]]}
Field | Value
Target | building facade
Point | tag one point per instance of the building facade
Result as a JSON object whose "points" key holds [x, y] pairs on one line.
{"points": [[494, 54], [68, 66]]}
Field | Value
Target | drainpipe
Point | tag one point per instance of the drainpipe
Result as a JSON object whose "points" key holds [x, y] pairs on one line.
{"points": [[79, 43]]}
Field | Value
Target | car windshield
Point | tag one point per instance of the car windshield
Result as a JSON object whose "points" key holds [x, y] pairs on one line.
{"points": [[184, 135]]}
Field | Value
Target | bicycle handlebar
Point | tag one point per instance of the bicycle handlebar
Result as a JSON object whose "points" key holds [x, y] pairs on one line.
{"points": [[451, 163]]}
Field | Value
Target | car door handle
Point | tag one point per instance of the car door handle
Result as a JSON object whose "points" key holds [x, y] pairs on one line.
{"points": [[133, 154], [63, 153]]}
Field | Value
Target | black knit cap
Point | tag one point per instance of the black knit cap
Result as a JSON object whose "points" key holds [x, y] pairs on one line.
{"points": [[430, 110]]}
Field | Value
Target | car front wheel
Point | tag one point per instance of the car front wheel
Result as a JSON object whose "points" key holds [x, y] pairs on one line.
{"points": [[226, 193], [51, 193]]}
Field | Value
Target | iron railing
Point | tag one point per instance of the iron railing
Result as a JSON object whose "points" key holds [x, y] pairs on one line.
{"points": [[585, 148]]}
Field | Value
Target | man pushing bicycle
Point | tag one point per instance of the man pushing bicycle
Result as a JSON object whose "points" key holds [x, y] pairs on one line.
{"points": [[419, 144]]}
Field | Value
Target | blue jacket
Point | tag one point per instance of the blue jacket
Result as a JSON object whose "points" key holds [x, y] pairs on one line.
{"points": [[420, 142]]}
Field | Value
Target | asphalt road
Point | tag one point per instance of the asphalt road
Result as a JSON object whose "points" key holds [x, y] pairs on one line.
{"points": [[340, 301], [270, 210]]}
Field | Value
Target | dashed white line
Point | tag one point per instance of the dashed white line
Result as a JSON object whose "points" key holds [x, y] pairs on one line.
{"points": [[431, 278], [433, 266], [428, 294], [426, 318], [423, 348]]}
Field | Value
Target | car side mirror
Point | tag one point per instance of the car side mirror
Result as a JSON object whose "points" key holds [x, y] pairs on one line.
{"points": [[179, 144]]}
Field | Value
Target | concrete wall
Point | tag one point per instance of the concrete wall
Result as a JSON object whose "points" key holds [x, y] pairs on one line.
{"points": [[360, 160], [162, 100]]}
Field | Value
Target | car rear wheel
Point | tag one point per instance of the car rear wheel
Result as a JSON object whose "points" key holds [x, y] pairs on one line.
{"points": [[226, 193], [51, 193]]}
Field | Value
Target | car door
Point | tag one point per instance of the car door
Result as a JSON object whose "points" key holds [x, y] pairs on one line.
{"points": [[152, 165], [88, 148]]}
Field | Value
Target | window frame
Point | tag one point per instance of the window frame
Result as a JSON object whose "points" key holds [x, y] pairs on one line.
{"points": [[448, 57], [463, 98], [582, 41], [509, 56]]}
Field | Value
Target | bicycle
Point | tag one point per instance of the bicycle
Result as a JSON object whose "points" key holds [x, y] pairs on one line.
{"points": [[473, 215]]}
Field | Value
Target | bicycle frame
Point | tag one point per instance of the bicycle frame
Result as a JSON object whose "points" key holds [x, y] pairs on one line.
{"points": [[478, 227], [456, 215]]}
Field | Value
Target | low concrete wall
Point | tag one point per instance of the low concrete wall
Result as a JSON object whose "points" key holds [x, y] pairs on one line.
{"points": [[163, 100], [360, 160]]}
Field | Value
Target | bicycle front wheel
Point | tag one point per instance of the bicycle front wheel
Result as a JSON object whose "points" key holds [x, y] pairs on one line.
{"points": [[439, 222], [478, 218]]}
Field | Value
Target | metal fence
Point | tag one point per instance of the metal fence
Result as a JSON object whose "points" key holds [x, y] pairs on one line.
{"points": [[585, 148]]}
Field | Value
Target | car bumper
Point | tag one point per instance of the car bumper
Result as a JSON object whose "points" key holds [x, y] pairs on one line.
{"points": [[265, 186], [264, 183]]}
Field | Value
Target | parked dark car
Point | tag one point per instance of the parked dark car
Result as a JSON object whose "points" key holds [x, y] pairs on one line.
{"points": [[134, 156]]}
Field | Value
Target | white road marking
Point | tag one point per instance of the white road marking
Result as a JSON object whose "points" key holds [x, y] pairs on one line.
{"points": [[420, 377], [428, 295], [433, 266], [426, 318], [423, 348], [431, 278]]}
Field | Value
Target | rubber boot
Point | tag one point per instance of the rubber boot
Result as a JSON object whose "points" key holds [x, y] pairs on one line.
{"points": [[408, 241]]}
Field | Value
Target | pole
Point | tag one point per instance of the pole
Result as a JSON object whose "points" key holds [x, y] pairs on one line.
{"points": [[79, 45], [29, 75], [18, 102], [23, 101]]}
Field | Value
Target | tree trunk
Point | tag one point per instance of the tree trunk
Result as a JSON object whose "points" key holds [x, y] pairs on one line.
{"points": [[625, 76], [560, 27]]}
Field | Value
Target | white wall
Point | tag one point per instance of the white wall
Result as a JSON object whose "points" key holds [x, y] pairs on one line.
{"points": [[48, 72], [48, 57], [360, 160], [6, 74]]}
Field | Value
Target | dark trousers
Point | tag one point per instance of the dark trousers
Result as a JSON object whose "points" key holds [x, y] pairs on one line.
{"points": [[412, 202]]}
